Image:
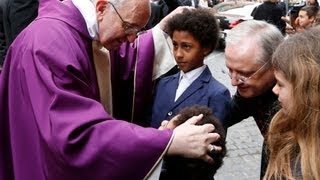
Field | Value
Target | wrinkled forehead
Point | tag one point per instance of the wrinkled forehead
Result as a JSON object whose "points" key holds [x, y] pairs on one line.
{"points": [[242, 54]]}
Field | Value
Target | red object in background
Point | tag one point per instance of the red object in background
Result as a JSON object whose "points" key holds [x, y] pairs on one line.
{"points": [[233, 24]]}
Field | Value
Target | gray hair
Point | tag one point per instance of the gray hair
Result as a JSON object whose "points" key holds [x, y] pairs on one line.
{"points": [[262, 34]]}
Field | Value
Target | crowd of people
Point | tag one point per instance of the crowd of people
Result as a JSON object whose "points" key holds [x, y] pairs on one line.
{"points": [[90, 89]]}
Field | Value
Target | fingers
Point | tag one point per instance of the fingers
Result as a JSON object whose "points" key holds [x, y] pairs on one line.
{"points": [[193, 141], [194, 119], [214, 149], [285, 19], [178, 10], [208, 159], [174, 122], [163, 125], [208, 128], [212, 137]]}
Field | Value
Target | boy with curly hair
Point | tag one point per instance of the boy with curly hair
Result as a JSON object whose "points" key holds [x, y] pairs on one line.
{"points": [[194, 34], [176, 167]]}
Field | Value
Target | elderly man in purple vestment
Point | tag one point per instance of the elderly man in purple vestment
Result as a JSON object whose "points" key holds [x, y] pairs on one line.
{"points": [[53, 122]]}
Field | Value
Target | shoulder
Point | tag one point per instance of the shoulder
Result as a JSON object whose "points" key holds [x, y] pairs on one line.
{"points": [[52, 43], [164, 82], [217, 85], [53, 34]]}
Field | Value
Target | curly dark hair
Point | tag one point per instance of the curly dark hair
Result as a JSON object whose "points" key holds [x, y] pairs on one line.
{"points": [[201, 23], [176, 167]]}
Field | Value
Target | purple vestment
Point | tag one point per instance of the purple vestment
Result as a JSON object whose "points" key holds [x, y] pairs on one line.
{"points": [[52, 125], [132, 67]]}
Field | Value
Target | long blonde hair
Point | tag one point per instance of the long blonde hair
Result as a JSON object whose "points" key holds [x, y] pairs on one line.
{"points": [[294, 137]]}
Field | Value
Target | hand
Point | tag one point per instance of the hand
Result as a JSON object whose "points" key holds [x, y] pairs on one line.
{"points": [[285, 19], [178, 10], [169, 124], [289, 29], [194, 141]]}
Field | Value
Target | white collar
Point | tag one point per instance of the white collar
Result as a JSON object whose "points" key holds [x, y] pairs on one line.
{"points": [[87, 9], [193, 74]]}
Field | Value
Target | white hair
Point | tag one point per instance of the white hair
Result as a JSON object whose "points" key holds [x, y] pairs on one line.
{"points": [[264, 35]]}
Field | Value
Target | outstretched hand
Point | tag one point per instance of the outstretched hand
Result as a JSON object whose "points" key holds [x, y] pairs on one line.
{"points": [[178, 10], [194, 141]]}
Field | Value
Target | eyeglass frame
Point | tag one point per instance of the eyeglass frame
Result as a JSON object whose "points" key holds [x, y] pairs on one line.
{"points": [[128, 27], [242, 79]]}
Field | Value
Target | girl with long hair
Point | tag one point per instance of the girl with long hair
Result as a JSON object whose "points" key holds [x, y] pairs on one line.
{"points": [[294, 133]]}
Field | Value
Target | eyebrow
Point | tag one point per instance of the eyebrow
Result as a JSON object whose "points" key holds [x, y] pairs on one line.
{"points": [[241, 71]]}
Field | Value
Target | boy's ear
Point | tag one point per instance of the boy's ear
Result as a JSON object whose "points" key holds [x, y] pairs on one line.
{"points": [[206, 51]]}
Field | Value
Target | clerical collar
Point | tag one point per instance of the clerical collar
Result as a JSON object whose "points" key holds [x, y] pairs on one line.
{"points": [[87, 9]]}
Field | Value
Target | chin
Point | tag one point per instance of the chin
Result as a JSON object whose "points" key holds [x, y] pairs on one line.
{"points": [[247, 93]]}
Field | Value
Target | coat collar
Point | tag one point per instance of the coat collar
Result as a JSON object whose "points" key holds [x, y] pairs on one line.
{"points": [[64, 11], [197, 84]]}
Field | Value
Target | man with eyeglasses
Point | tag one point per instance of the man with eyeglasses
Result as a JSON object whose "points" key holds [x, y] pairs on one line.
{"points": [[53, 124], [248, 53]]}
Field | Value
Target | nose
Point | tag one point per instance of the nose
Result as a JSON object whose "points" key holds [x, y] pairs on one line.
{"points": [[177, 53], [275, 89], [234, 80]]}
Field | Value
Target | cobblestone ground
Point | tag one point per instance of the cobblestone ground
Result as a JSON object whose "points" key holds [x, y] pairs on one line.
{"points": [[244, 140]]}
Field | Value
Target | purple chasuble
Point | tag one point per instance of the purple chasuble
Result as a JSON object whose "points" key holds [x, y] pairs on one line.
{"points": [[52, 125], [132, 67]]}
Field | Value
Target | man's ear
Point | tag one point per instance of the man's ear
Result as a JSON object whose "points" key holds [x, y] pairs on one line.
{"points": [[100, 8]]}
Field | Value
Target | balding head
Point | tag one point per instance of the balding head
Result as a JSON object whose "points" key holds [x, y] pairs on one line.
{"points": [[120, 21]]}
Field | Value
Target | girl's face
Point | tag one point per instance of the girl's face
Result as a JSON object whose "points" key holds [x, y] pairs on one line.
{"points": [[283, 89], [188, 52]]}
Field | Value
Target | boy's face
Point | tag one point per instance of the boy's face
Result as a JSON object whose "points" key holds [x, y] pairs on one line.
{"points": [[304, 20], [188, 52]]}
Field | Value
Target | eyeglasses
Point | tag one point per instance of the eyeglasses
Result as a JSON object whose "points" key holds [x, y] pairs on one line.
{"points": [[129, 28], [241, 78]]}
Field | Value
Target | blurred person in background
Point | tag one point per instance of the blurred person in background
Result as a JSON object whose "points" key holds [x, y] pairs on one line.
{"points": [[307, 17], [271, 12], [292, 24], [15, 16]]}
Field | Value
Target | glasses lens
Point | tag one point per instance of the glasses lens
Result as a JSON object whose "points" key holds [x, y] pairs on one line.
{"points": [[242, 79], [129, 29]]}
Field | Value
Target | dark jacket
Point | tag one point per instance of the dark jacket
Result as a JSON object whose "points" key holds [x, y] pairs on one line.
{"points": [[205, 90], [262, 108], [270, 12], [15, 16]]}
